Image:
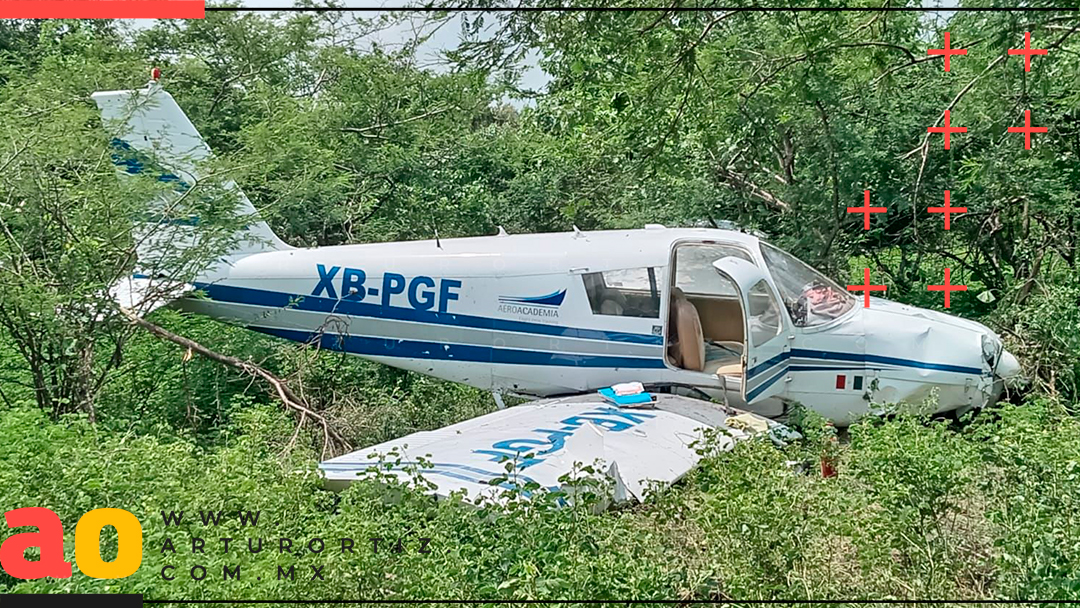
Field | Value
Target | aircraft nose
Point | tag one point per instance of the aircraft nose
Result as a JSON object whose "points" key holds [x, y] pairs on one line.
{"points": [[1008, 369]]}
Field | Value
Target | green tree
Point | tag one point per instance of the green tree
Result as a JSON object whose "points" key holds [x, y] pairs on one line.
{"points": [[66, 222]]}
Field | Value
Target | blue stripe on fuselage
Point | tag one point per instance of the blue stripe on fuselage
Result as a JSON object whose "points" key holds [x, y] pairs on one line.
{"points": [[414, 349], [275, 299], [753, 393], [761, 367], [863, 358], [831, 368], [764, 385], [832, 356], [345, 306]]}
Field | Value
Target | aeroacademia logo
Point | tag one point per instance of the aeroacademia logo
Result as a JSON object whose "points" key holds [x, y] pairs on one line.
{"points": [[534, 306]]}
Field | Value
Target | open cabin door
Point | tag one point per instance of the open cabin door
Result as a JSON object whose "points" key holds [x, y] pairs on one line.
{"points": [[766, 351]]}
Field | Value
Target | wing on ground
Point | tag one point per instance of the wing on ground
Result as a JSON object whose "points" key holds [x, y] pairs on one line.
{"points": [[544, 439]]}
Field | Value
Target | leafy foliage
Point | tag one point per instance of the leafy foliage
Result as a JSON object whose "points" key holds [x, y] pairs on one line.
{"points": [[777, 121], [987, 512]]}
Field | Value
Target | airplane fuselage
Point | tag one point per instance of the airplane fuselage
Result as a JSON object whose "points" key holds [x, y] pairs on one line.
{"points": [[554, 314], [713, 312]]}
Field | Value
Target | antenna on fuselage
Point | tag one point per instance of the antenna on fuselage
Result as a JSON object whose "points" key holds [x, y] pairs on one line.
{"points": [[435, 229]]}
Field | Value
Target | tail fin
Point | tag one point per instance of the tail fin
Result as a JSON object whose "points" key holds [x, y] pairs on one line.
{"points": [[149, 127]]}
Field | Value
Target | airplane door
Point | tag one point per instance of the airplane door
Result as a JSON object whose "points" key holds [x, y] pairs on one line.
{"points": [[766, 351]]}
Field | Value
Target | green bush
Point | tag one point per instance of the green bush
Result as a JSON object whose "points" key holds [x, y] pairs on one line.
{"points": [[920, 509]]}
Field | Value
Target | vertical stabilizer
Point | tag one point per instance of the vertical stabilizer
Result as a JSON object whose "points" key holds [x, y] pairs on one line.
{"points": [[150, 133]]}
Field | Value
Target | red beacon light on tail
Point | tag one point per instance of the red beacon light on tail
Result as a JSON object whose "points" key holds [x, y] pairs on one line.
{"points": [[155, 74]]}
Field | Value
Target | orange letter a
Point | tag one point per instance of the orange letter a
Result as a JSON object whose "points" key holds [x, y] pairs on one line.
{"points": [[49, 537]]}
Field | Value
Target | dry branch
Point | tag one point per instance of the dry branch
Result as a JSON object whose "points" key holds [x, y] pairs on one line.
{"points": [[333, 442], [740, 182]]}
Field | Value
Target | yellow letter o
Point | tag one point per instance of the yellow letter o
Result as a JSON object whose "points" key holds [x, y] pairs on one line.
{"points": [[88, 543]]}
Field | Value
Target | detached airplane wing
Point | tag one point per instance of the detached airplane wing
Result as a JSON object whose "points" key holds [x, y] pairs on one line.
{"points": [[635, 447]]}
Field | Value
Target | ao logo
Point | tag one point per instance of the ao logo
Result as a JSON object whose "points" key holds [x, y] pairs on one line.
{"points": [[50, 539]]}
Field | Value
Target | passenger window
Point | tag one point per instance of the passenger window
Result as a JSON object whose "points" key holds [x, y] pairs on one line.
{"points": [[764, 316], [631, 292]]}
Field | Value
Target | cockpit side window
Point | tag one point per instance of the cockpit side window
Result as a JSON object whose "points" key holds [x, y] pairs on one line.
{"points": [[764, 314], [810, 297], [631, 292], [694, 272]]}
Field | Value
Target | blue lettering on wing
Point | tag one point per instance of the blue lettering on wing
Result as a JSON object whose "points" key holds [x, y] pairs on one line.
{"points": [[636, 417], [527, 451]]}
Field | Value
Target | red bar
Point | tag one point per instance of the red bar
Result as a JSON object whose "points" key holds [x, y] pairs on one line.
{"points": [[102, 9], [841, 382]]}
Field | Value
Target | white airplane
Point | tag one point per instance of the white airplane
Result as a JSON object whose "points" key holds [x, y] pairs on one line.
{"points": [[716, 314]]}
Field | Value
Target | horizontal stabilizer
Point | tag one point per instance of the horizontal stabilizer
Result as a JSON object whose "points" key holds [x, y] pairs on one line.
{"points": [[142, 295], [634, 447]]}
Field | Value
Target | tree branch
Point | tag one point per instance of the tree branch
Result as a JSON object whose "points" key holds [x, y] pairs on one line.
{"points": [[738, 181], [363, 130], [333, 442]]}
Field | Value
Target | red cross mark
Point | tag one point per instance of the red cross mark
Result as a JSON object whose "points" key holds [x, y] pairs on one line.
{"points": [[1027, 51], [947, 51], [948, 210], [947, 288], [866, 210], [1027, 129], [947, 130], [866, 288]]}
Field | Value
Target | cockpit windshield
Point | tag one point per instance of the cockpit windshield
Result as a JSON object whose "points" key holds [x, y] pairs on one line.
{"points": [[810, 297]]}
